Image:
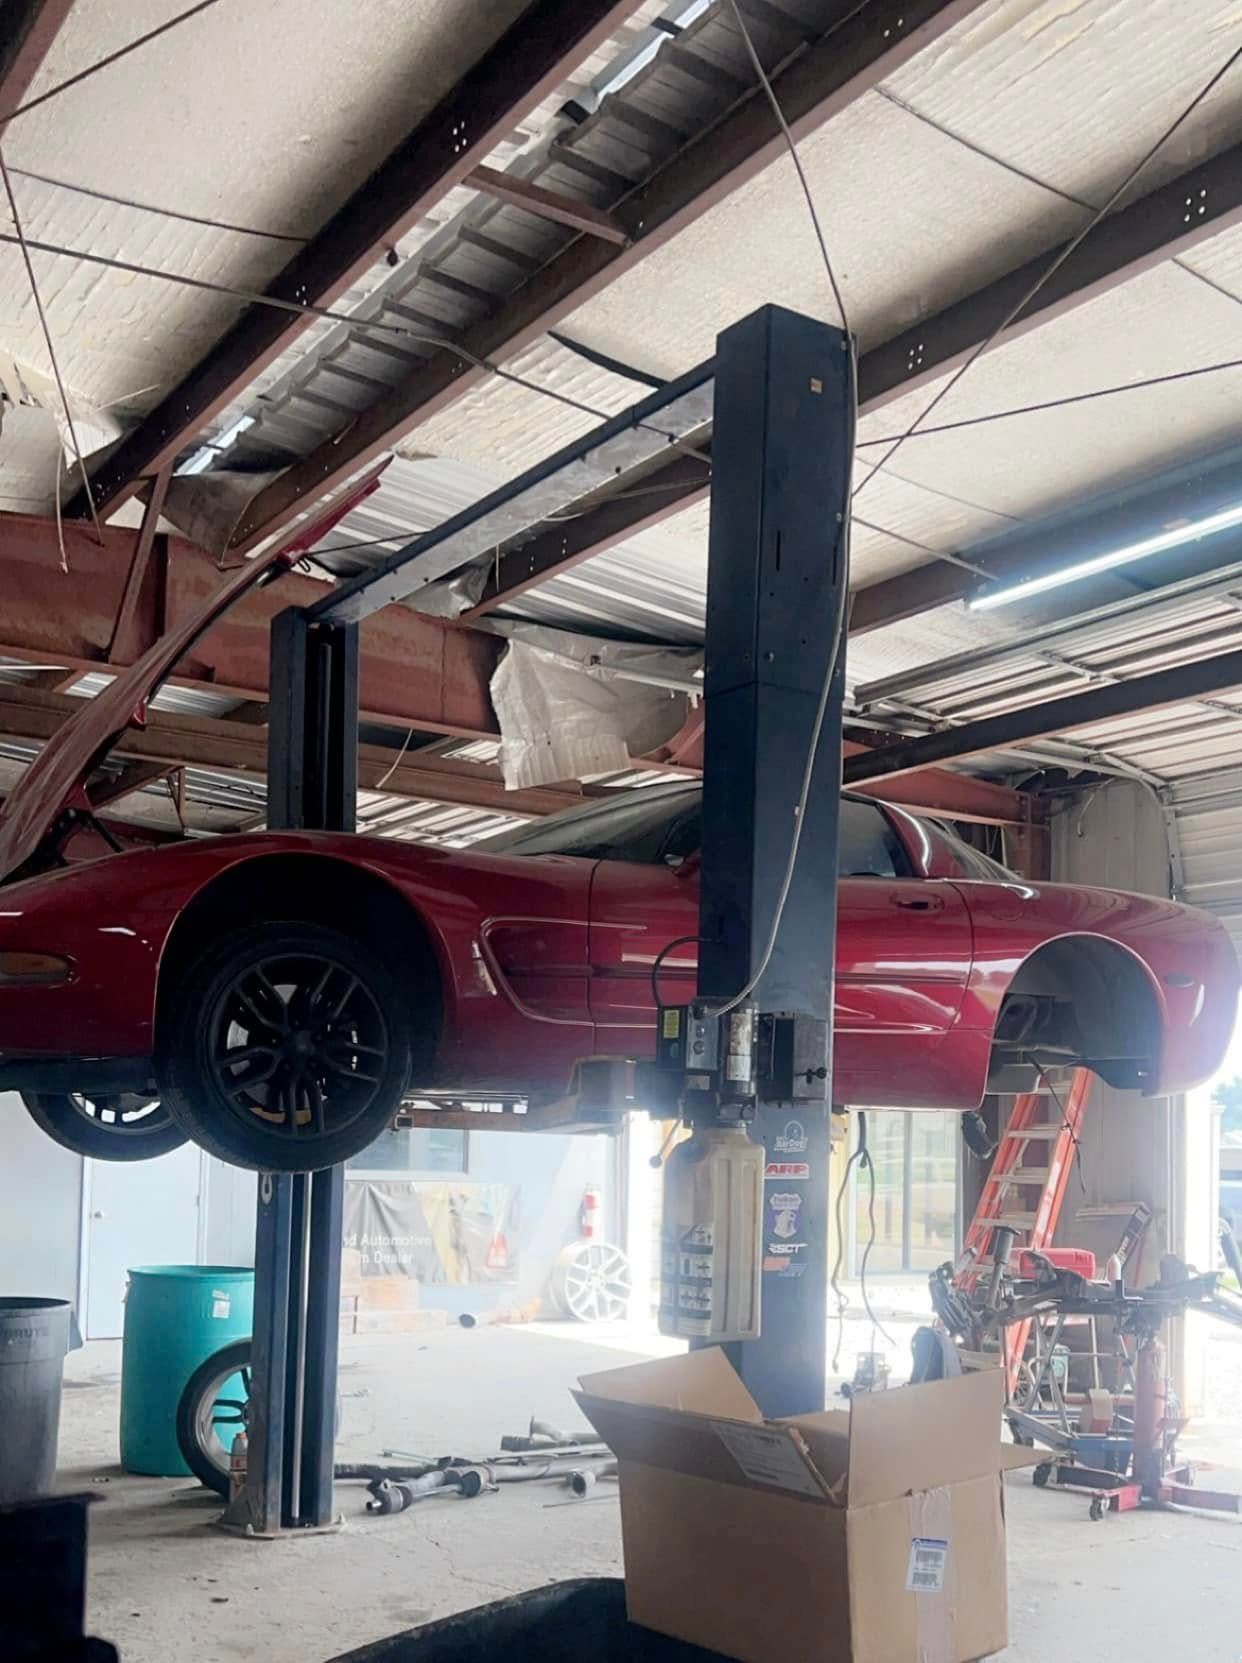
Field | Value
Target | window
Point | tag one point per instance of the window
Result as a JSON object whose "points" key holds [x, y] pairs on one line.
{"points": [[973, 862], [652, 822], [411, 1149], [869, 847], [914, 1160], [632, 827]]}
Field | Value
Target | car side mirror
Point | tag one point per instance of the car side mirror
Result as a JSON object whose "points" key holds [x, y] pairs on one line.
{"points": [[685, 866]]}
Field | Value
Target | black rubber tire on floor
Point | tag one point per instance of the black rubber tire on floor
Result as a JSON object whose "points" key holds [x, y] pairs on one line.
{"points": [[230, 1359], [57, 1114], [244, 1139]]}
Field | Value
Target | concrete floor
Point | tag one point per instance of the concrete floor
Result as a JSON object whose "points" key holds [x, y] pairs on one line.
{"points": [[167, 1588]]}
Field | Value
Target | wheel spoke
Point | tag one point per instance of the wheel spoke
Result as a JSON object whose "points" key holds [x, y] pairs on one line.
{"points": [[273, 993], [260, 1016], [314, 1099], [321, 987], [355, 1048], [349, 1073], [351, 982], [258, 1076], [245, 1053]]}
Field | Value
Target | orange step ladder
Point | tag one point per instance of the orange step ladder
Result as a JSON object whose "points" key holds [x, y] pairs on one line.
{"points": [[1025, 1190]]}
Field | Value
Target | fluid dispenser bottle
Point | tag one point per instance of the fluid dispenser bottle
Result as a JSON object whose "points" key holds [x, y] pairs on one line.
{"points": [[711, 1249]]}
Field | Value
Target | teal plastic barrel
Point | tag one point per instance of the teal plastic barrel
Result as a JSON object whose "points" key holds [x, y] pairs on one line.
{"points": [[176, 1316]]}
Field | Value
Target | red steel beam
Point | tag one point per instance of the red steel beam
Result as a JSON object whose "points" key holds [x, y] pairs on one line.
{"points": [[27, 30], [493, 98], [415, 670]]}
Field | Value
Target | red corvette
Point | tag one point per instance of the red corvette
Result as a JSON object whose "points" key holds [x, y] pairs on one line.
{"points": [[281, 992], [275, 996]]}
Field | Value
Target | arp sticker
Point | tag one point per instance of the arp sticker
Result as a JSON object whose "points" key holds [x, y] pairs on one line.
{"points": [[929, 1555], [787, 1169]]}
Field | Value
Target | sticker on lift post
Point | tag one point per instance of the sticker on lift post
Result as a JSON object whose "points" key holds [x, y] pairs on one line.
{"points": [[928, 1557]]}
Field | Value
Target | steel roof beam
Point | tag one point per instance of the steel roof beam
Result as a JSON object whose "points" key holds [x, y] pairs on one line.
{"points": [[171, 741], [1182, 685], [1200, 203], [816, 83], [527, 63]]}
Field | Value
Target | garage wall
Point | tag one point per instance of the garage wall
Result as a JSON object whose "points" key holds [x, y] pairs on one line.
{"points": [[1157, 1150], [40, 1209], [228, 1235]]}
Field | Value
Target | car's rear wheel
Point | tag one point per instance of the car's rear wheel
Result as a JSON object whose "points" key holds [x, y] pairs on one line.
{"points": [[121, 1126], [285, 1048]]}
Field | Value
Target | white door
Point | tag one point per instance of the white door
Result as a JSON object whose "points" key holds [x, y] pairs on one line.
{"points": [[137, 1213]]}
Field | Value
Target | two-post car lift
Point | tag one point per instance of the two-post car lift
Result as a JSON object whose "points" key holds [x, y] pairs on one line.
{"points": [[781, 424]]}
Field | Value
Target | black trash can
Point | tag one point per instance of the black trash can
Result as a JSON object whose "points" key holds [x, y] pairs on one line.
{"points": [[582, 1621], [34, 1337]]}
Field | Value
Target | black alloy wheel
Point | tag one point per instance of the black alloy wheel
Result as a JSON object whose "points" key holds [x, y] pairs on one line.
{"points": [[122, 1126], [289, 1049]]}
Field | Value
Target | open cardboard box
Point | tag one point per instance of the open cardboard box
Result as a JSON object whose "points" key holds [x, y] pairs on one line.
{"points": [[869, 1535]]}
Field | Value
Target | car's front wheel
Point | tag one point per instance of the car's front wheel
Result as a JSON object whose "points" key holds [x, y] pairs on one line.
{"points": [[122, 1126], [285, 1047]]}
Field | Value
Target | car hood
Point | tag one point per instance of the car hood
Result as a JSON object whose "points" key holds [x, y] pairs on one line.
{"points": [[56, 778]]}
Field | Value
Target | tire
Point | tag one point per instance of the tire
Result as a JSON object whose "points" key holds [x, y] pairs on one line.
{"points": [[122, 1126], [206, 1422], [1042, 1476], [286, 1047]]}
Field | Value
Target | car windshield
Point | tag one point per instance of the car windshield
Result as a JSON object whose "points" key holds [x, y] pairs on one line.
{"points": [[648, 824], [622, 827]]}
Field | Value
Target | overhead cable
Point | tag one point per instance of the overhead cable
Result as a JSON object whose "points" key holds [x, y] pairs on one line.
{"points": [[1053, 266], [106, 62]]}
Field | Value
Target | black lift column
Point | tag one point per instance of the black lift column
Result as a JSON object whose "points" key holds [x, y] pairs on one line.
{"points": [[780, 477], [312, 784]]}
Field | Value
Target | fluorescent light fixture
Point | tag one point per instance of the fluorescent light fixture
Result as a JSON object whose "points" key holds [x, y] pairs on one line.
{"points": [[1191, 532]]}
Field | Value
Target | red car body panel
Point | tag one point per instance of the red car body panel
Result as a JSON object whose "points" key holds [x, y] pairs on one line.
{"points": [[546, 960]]}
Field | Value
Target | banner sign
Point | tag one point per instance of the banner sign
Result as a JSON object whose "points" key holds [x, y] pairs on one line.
{"points": [[430, 1231]]}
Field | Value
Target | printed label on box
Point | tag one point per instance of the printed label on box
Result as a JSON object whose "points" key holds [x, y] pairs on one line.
{"points": [[928, 1557], [768, 1457]]}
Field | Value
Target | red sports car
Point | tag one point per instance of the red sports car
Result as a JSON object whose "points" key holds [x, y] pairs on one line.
{"points": [[275, 996]]}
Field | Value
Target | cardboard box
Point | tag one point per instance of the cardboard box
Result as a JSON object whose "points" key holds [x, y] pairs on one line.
{"points": [[869, 1535]]}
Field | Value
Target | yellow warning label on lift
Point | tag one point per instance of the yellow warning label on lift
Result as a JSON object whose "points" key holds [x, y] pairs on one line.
{"points": [[670, 1022]]}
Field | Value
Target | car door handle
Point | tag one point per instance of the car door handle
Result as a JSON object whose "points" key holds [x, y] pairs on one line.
{"points": [[911, 903]]}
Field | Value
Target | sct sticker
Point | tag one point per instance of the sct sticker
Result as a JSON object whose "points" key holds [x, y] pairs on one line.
{"points": [[928, 1557]]}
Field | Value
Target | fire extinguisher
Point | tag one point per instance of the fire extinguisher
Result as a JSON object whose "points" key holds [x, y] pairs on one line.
{"points": [[588, 1213]]}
